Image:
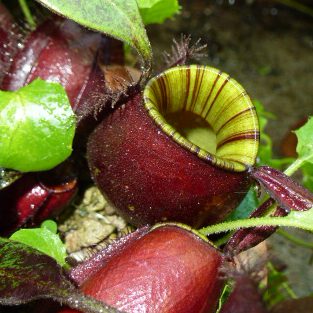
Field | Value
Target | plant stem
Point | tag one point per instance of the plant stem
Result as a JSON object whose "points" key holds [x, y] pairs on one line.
{"points": [[28, 16], [298, 241], [294, 166], [253, 222], [290, 292]]}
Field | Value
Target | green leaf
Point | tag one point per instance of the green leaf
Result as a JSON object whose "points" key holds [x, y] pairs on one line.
{"points": [[305, 142], [156, 11], [304, 148], [307, 171], [37, 127], [246, 207], [118, 18], [50, 225], [27, 274], [43, 239]]}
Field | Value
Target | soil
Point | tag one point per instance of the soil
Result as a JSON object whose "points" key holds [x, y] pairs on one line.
{"points": [[91, 224]]}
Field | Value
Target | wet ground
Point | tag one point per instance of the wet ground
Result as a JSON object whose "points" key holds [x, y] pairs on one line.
{"points": [[268, 48]]}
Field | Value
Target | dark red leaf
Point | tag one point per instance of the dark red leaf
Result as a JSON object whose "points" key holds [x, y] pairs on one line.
{"points": [[246, 238], [285, 191], [26, 275]]}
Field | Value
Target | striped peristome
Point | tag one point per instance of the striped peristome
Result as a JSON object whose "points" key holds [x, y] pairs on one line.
{"points": [[219, 100]]}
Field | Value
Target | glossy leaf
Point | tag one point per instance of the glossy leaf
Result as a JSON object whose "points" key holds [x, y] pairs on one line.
{"points": [[37, 127], [26, 275], [44, 239], [156, 11], [117, 18], [50, 225], [304, 148]]}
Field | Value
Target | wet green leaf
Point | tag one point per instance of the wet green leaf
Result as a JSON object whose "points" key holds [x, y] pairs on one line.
{"points": [[43, 239], [37, 127], [118, 18], [156, 11], [307, 171], [50, 225]]}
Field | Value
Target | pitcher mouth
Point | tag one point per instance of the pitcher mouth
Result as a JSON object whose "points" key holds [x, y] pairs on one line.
{"points": [[206, 112]]}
